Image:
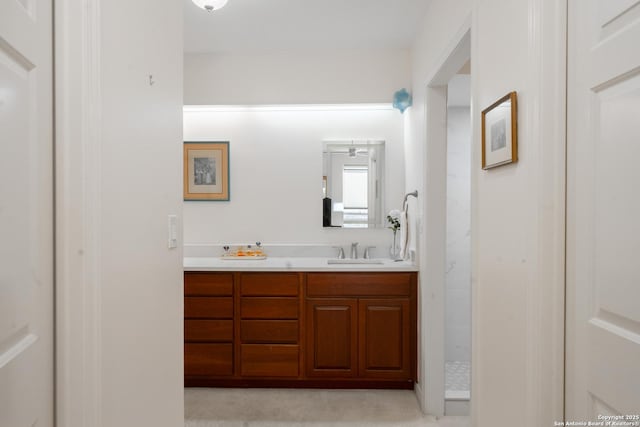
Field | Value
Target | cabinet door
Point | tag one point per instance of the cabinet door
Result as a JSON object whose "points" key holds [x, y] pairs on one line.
{"points": [[331, 327], [384, 339]]}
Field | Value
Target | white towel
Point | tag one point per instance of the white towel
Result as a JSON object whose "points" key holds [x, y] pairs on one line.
{"points": [[404, 232]]}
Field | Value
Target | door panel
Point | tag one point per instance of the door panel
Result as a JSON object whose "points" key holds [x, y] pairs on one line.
{"points": [[603, 231], [617, 229], [384, 334], [26, 215], [332, 338]]}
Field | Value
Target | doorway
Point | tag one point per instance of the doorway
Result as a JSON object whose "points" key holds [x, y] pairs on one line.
{"points": [[458, 245], [436, 338]]}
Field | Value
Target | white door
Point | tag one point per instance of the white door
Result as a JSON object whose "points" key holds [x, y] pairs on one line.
{"points": [[603, 211], [26, 214]]}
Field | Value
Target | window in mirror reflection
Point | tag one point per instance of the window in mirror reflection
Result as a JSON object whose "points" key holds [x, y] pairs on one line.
{"points": [[353, 173], [324, 186], [354, 194]]}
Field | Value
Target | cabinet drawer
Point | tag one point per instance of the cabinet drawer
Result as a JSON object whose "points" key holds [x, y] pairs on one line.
{"points": [[269, 308], [269, 331], [208, 330], [269, 284], [263, 360], [358, 284], [208, 284], [208, 307], [208, 359]]}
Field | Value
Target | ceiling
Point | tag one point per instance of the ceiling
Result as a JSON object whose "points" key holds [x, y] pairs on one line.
{"points": [[263, 25]]}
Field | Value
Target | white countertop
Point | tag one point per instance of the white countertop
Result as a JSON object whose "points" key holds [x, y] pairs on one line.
{"points": [[290, 264]]}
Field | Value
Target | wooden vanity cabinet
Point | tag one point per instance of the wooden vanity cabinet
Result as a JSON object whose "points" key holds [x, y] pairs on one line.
{"points": [[208, 324], [371, 335], [293, 329], [365, 338]]}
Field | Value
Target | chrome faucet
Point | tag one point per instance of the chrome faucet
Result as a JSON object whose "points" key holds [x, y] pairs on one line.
{"points": [[354, 250], [340, 252]]}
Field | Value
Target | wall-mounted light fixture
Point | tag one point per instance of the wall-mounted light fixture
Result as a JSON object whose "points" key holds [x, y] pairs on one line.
{"points": [[210, 5], [402, 100]]}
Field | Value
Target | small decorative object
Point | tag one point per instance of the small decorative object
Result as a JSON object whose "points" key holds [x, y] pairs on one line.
{"points": [[210, 5], [206, 171], [247, 252], [402, 100], [500, 132], [394, 224]]}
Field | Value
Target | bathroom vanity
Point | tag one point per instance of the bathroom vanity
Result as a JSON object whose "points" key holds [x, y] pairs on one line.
{"points": [[278, 326]]}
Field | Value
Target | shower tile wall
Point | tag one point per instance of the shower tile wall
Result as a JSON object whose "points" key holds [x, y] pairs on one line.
{"points": [[458, 277], [457, 379]]}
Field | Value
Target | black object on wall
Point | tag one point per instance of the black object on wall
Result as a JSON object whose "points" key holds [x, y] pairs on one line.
{"points": [[326, 212]]}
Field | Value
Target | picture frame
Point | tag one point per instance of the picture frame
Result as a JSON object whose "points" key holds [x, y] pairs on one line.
{"points": [[500, 132], [206, 171]]}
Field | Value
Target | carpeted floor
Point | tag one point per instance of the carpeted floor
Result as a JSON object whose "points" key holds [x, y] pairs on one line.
{"points": [[317, 408]]}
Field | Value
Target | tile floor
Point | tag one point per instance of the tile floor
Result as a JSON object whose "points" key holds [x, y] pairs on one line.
{"points": [[457, 380], [211, 407]]}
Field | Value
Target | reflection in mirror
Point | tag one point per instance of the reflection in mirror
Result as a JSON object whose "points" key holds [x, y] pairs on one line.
{"points": [[352, 184]]}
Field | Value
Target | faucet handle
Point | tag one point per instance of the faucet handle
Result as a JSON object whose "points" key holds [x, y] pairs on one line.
{"points": [[340, 252], [367, 254]]}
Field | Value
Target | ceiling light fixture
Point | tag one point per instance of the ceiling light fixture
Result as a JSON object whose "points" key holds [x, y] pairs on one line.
{"points": [[210, 5]]}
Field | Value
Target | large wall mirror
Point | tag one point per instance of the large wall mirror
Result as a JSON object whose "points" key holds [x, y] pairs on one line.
{"points": [[352, 184]]}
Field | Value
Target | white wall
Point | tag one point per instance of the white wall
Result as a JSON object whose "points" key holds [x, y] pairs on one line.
{"points": [[517, 210], [276, 173], [296, 77], [140, 174], [518, 215], [119, 332], [458, 257]]}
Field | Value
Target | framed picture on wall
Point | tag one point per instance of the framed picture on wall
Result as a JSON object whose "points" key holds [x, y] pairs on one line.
{"points": [[206, 171], [500, 132]]}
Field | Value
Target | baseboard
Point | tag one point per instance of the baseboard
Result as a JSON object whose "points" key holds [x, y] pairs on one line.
{"points": [[457, 407], [298, 383]]}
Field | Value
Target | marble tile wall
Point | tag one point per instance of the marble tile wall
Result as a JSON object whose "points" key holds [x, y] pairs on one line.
{"points": [[458, 276]]}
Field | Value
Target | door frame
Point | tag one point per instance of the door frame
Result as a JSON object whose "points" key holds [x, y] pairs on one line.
{"points": [[77, 100], [431, 390]]}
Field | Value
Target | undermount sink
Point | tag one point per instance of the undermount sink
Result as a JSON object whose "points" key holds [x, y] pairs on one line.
{"points": [[354, 261]]}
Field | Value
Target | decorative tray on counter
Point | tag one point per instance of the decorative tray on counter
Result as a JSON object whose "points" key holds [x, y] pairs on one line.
{"points": [[244, 253]]}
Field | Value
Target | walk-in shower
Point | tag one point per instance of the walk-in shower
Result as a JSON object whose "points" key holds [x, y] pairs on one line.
{"points": [[458, 251]]}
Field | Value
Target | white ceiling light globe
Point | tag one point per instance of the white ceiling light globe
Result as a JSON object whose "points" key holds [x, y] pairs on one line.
{"points": [[210, 5]]}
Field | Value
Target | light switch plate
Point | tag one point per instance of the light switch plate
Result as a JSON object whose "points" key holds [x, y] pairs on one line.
{"points": [[173, 232]]}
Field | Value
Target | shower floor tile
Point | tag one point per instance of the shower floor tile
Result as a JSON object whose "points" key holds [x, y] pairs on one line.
{"points": [[457, 380]]}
